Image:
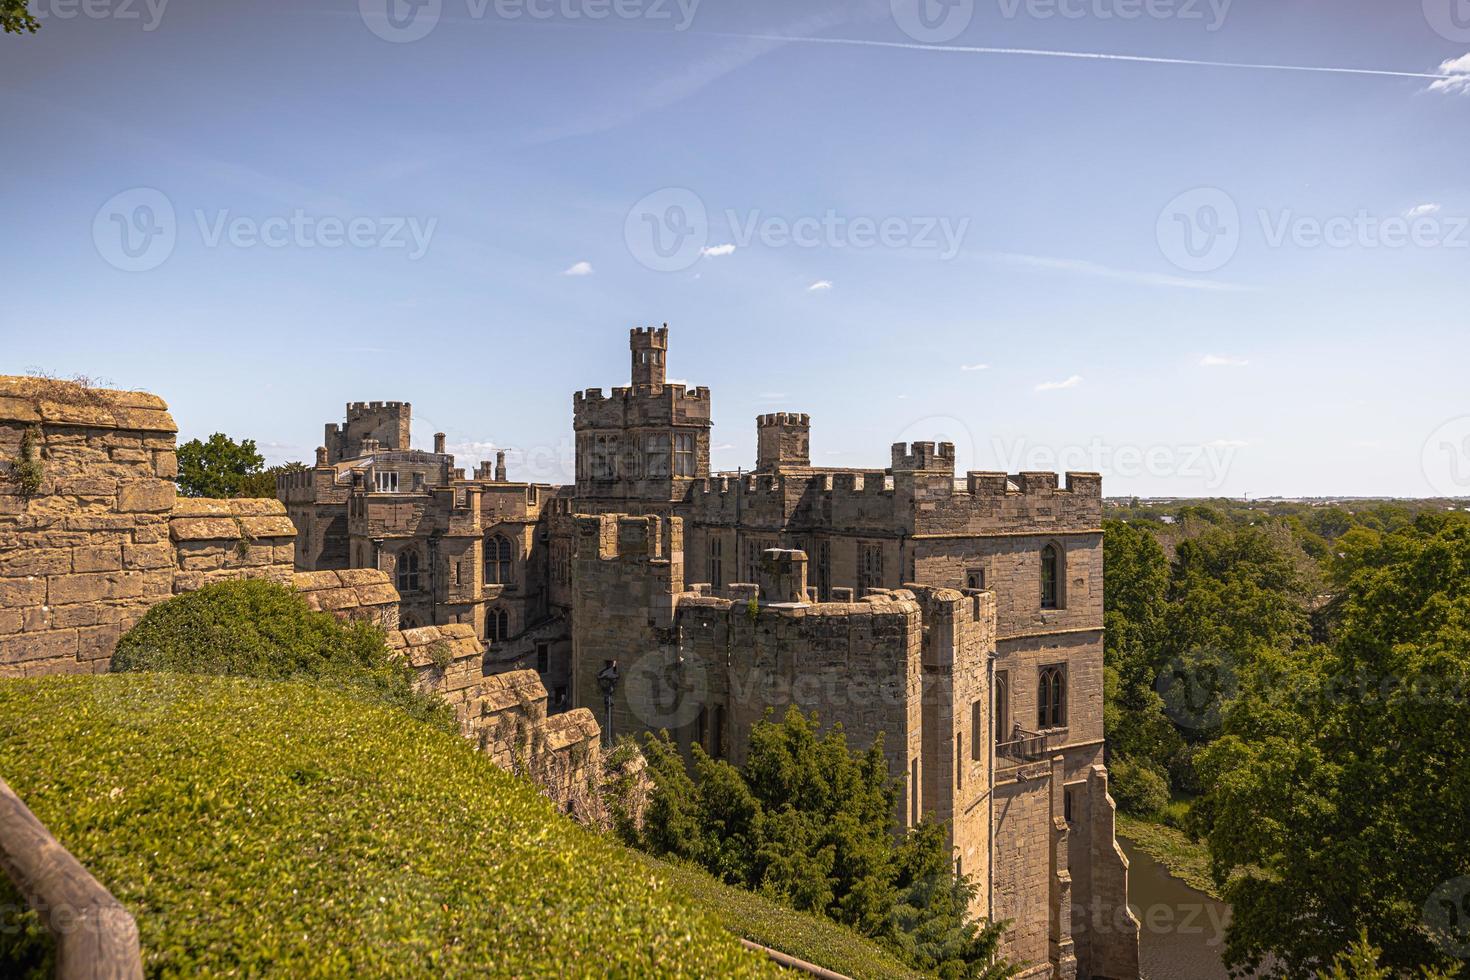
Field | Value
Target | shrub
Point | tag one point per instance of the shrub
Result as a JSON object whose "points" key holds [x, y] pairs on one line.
{"points": [[1137, 787], [260, 828], [262, 629]]}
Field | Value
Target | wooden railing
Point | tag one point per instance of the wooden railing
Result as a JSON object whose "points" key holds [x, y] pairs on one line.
{"points": [[96, 937]]}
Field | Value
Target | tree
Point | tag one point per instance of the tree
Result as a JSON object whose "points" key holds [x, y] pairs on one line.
{"points": [[813, 825], [1338, 797], [263, 484], [219, 467], [16, 19]]}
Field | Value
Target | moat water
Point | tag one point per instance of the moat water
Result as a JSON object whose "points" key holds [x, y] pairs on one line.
{"points": [[1182, 931]]}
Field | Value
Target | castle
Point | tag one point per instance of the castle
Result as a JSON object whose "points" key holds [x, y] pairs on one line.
{"points": [[961, 618]]}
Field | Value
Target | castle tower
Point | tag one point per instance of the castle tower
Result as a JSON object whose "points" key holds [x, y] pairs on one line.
{"points": [[389, 423], [646, 443], [650, 354], [783, 441]]}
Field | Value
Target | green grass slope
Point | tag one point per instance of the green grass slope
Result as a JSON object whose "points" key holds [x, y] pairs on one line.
{"points": [[259, 827], [809, 937]]}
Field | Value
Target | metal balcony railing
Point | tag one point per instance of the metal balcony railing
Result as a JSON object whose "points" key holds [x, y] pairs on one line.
{"points": [[1022, 746]]}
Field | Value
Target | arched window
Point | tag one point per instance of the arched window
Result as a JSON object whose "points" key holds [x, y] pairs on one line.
{"points": [[408, 571], [1051, 577], [498, 552], [1051, 698], [497, 625]]}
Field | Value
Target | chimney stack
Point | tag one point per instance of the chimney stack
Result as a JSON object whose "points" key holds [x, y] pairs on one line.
{"points": [[439, 443], [500, 466]]}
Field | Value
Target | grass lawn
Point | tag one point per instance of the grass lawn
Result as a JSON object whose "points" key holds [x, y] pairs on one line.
{"points": [[281, 828], [809, 937]]}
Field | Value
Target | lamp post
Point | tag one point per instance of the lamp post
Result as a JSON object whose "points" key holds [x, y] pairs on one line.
{"points": [[607, 680]]}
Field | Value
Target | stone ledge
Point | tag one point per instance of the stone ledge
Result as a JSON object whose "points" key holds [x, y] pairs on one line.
{"points": [[49, 402]]}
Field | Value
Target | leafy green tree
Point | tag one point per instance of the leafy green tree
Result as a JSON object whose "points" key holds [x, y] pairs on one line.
{"points": [[219, 467], [15, 18], [263, 484], [1338, 797], [812, 824]]}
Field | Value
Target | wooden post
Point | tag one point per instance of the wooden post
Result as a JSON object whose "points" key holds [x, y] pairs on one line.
{"points": [[96, 937]]}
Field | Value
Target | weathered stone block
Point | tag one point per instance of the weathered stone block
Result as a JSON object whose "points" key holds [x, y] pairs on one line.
{"points": [[146, 496], [40, 561], [99, 558], [94, 587]]}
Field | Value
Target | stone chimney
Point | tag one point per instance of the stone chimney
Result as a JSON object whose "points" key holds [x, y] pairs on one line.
{"points": [[439, 443], [500, 467], [321, 456]]}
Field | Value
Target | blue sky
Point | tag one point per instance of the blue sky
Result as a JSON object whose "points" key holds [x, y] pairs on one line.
{"points": [[1199, 279]]}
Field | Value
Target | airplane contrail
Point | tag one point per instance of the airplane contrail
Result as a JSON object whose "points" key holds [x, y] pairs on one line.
{"points": [[1082, 55]]}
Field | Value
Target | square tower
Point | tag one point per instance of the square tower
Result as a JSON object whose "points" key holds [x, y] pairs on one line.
{"points": [[650, 349]]}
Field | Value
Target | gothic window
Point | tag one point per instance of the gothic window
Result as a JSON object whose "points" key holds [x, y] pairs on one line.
{"points": [[975, 578], [1002, 707], [684, 455], [824, 571], [408, 571], [1051, 570], [977, 733], [870, 568], [717, 562], [498, 557], [602, 459], [656, 454], [543, 657], [1051, 698], [497, 625]]}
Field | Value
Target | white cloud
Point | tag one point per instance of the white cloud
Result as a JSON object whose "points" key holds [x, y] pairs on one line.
{"points": [[1422, 210], [1458, 82], [821, 285], [1071, 382], [974, 367], [722, 447], [1222, 360], [715, 251], [579, 269]]}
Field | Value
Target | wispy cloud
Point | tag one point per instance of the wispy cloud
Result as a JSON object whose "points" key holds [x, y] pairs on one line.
{"points": [[974, 367], [1421, 210], [1222, 360], [1071, 382], [722, 447], [1445, 69], [1454, 77], [715, 251], [579, 269], [1096, 270], [820, 286]]}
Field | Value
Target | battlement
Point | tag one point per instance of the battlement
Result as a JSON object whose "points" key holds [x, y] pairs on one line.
{"points": [[923, 456], [664, 405], [643, 338], [783, 418], [623, 537], [782, 576], [356, 410]]}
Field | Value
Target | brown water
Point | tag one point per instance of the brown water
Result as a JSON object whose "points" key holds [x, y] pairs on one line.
{"points": [[1182, 931]]}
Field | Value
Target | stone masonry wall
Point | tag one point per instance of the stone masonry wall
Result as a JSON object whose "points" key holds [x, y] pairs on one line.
{"points": [[84, 549]]}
